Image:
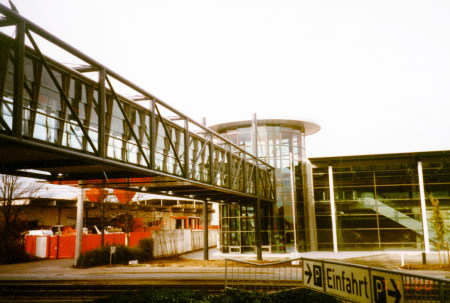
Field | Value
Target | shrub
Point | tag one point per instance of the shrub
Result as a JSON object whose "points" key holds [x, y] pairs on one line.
{"points": [[228, 296], [96, 257], [303, 295], [143, 252], [123, 255], [14, 253], [156, 296]]}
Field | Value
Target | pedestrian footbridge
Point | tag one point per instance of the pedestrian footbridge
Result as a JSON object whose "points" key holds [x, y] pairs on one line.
{"points": [[64, 124]]}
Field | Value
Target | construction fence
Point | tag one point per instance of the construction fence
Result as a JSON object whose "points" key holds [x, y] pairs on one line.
{"points": [[165, 242]]}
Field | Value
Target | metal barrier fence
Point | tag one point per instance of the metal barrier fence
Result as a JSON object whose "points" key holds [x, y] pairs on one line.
{"points": [[375, 284], [359, 283], [418, 288], [266, 277]]}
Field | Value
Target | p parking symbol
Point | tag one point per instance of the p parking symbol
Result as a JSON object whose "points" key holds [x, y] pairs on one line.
{"points": [[379, 289], [317, 275]]}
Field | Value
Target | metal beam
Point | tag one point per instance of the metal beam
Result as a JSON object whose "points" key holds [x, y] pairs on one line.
{"points": [[101, 114], [194, 164], [216, 174], [168, 136], [19, 79], [6, 22], [119, 103], [186, 148], [5, 125], [61, 92], [153, 134]]}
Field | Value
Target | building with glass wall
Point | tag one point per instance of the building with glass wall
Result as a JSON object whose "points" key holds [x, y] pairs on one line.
{"points": [[381, 202], [370, 202], [281, 143]]}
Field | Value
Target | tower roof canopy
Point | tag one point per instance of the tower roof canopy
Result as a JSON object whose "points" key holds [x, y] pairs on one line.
{"points": [[308, 127]]}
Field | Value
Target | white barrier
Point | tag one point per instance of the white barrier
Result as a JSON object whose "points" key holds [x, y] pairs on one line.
{"points": [[174, 242]]}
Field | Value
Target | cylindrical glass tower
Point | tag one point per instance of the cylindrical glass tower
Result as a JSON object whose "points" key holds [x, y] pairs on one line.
{"points": [[281, 143]]}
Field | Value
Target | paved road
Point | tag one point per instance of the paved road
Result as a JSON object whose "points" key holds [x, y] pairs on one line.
{"points": [[58, 270], [62, 269]]}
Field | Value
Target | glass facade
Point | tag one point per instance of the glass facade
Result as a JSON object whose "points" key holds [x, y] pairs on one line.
{"points": [[378, 206], [379, 200], [277, 144]]}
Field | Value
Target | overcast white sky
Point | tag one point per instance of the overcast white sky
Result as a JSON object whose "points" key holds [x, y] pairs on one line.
{"points": [[374, 74]]}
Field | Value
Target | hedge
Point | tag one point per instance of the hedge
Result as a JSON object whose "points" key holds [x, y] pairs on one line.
{"points": [[228, 296], [143, 252]]}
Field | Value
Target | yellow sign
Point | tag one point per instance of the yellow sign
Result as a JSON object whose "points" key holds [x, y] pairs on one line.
{"points": [[352, 282], [387, 287], [312, 274]]}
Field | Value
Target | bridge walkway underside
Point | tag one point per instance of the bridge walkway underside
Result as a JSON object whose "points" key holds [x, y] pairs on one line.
{"points": [[60, 166]]}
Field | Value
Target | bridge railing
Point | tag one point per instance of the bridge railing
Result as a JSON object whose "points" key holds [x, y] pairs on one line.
{"points": [[79, 109]]}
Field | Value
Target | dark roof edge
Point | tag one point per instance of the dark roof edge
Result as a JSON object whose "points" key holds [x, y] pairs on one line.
{"points": [[388, 158]]}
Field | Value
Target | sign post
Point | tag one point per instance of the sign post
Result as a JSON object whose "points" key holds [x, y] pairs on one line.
{"points": [[112, 252]]}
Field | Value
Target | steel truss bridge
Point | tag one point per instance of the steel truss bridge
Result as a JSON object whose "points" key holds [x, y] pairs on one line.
{"points": [[68, 124]]}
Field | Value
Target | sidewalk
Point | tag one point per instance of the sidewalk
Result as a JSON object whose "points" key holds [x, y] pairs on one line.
{"points": [[208, 270]]}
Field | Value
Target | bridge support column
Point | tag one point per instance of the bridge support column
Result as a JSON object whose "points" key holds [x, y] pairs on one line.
{"points": [[205, 231], [79, 232]]}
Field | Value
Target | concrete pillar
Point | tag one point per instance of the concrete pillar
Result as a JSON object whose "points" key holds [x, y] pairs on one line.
{"points": [[333, 208], [79, 225], [309, 208], [423, 206], [205, 231]]}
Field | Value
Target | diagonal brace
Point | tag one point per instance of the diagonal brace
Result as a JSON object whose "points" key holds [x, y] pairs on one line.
{"points": [[171, 142], [61, 92], [133, 133]]}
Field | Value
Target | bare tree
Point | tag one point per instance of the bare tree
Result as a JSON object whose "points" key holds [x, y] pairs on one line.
{"points": [[15, 193], [125, 197]]}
